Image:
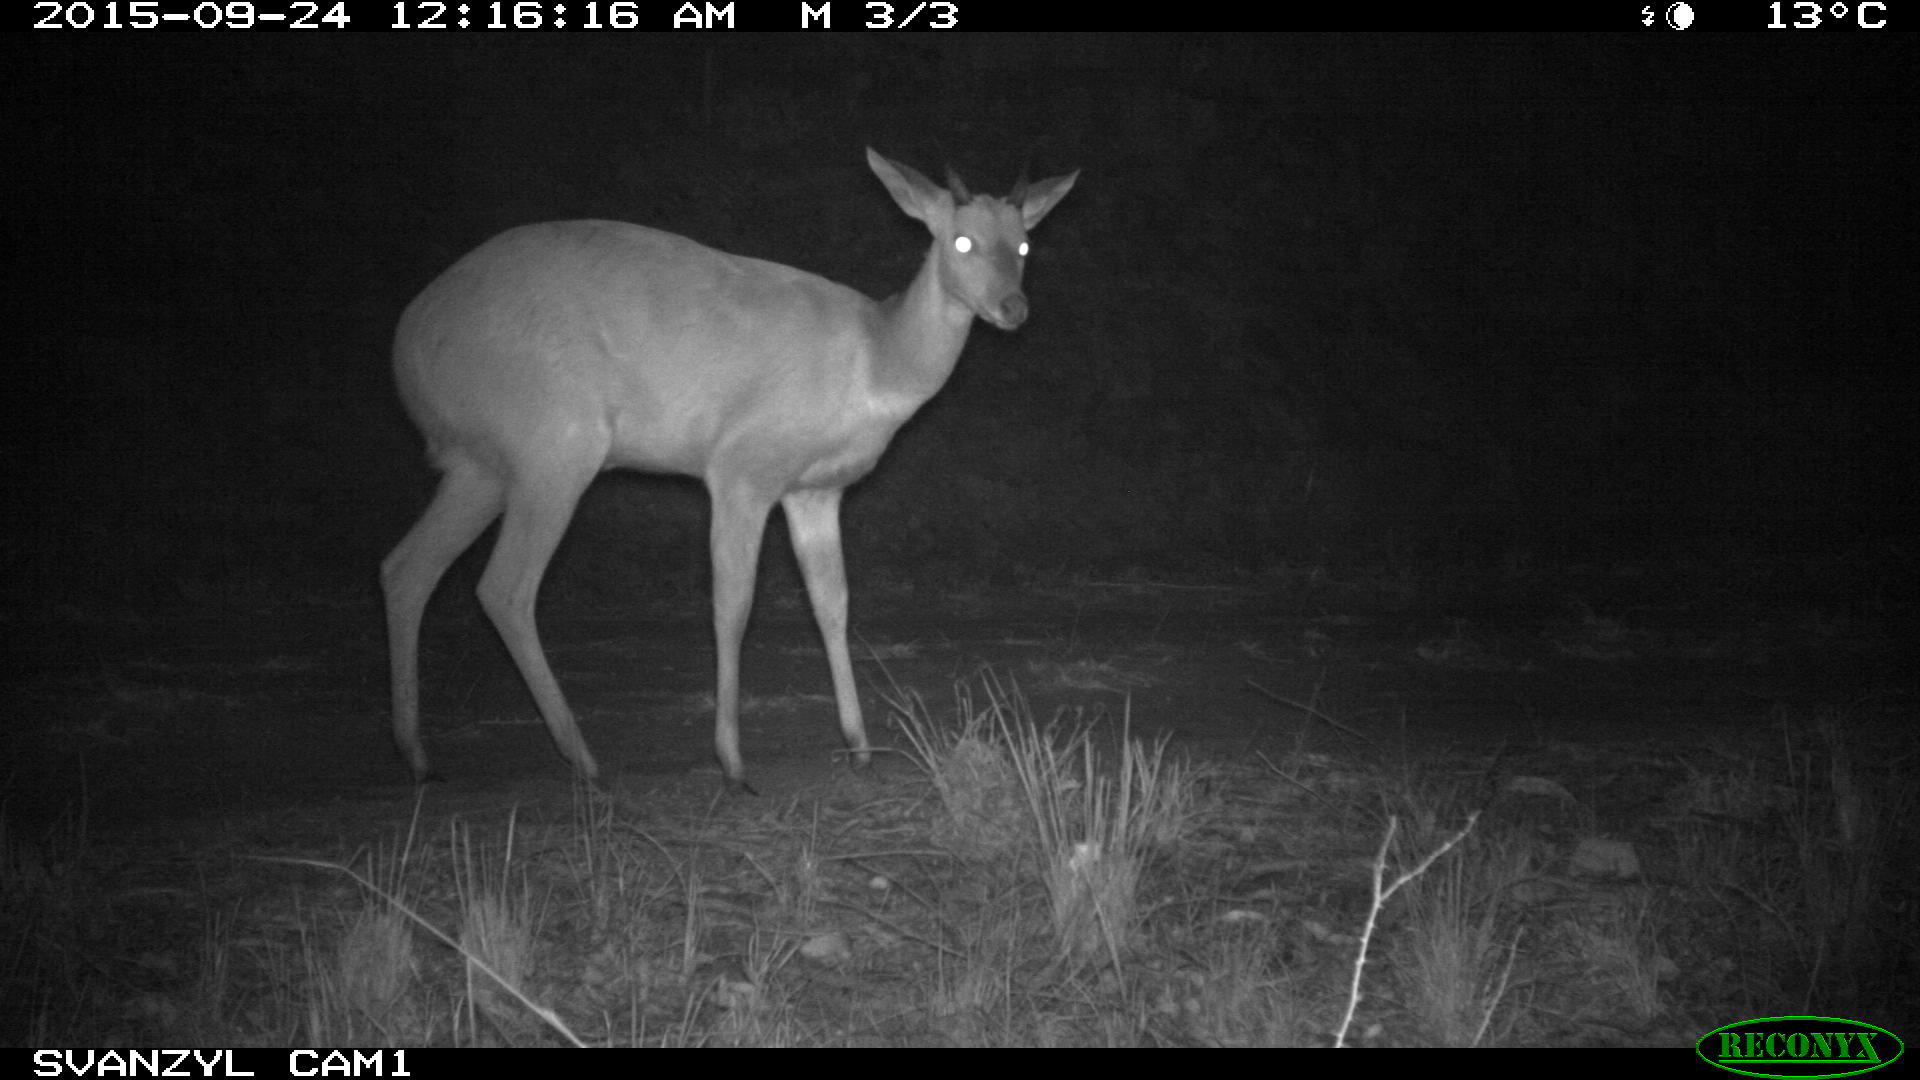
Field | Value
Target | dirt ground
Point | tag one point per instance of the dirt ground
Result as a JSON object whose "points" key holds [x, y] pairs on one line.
{"points": [[221, 714], [191, 785]]}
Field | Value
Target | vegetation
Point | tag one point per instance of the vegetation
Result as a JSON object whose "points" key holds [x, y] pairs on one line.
{"points": [[1024, 883]]}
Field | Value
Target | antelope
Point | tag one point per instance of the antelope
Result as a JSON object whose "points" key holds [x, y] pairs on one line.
{"points": [[555, 351]]}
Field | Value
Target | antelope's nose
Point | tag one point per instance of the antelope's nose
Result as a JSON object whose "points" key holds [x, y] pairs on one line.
{"points": [[1011, 312]]}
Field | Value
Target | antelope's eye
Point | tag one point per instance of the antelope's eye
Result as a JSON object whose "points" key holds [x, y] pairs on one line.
{"points": [[963, 244], [1023, 249]]}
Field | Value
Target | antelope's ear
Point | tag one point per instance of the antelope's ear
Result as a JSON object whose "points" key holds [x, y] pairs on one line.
{"points": [[917, 196], [1039, 198]]}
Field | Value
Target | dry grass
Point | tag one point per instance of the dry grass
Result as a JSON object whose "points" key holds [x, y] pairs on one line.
{"points": [[1034, 883]]}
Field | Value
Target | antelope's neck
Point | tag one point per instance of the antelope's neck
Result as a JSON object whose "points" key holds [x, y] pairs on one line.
{"points": [[920, 336]]}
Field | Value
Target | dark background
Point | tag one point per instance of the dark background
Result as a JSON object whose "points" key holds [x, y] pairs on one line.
{"points": [[1445, 306]]}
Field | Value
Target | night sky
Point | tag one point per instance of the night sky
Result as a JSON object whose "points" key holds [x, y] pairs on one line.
{"points": [[1340, 301]]}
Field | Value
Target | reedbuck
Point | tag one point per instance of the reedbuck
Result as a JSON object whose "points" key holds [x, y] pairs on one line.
{"points": [[554, 351]]}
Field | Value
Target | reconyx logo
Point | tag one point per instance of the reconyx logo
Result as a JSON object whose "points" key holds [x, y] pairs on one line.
{"points": [[1799, 1047]]}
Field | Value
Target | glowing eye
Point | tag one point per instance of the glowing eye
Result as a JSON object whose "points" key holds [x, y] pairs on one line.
{"points": [[963, 244], [1023, 249]]}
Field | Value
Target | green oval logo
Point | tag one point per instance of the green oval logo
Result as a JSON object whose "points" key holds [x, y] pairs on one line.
{"points": [[1799, 1047]]}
